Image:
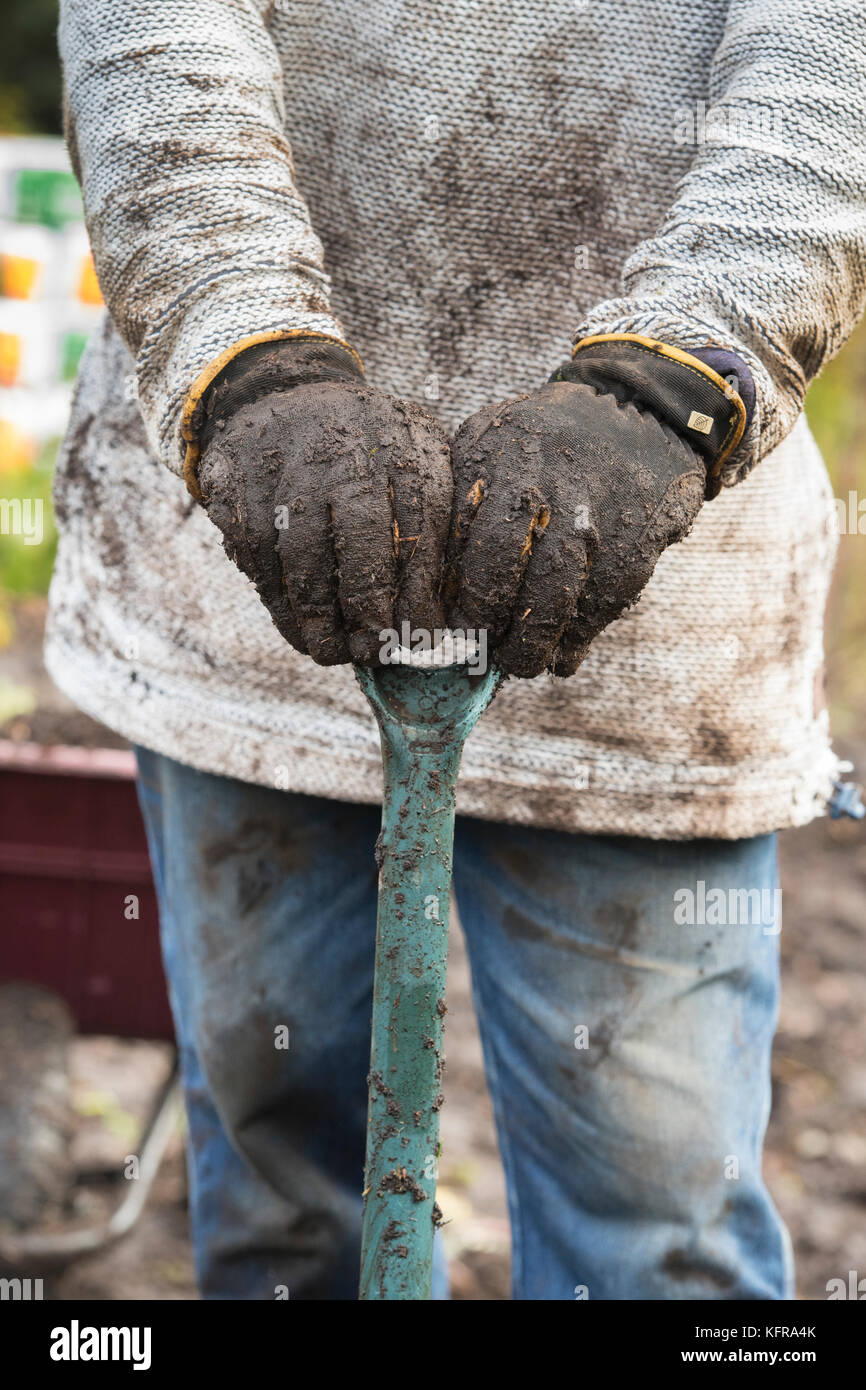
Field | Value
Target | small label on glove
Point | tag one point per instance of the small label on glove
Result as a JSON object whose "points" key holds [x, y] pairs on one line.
{"points": [[702, 423]]}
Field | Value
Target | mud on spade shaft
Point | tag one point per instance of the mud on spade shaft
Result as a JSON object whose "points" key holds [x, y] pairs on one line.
{"points": [[424, 718]]}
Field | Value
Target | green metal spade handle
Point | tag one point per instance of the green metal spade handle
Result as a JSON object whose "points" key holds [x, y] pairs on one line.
{"points": [[424, 718]]}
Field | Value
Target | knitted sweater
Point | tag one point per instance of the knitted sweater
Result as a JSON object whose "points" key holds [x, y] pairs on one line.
{"points": [[482, 182]]}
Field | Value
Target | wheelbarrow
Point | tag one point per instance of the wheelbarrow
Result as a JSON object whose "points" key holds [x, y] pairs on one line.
{"points": [[79, 953]]}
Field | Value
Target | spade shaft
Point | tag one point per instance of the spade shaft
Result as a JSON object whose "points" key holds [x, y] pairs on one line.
{"points": [[424, 718]]}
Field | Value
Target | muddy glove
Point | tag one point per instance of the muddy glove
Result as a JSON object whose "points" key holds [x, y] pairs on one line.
{"points": [[564, 499], [332, 497]]}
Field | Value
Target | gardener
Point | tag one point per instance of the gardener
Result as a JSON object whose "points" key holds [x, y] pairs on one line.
{"points": [[489, 183]]}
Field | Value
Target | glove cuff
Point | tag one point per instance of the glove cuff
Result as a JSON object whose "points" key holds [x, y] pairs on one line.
{"points": [[254, 368], [701, 405]]}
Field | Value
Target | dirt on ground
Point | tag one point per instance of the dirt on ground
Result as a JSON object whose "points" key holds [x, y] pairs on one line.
{"points": [[816, 1151]]}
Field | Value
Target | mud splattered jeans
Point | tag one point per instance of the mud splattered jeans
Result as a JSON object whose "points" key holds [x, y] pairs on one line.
{"points": [[626, 1037]]}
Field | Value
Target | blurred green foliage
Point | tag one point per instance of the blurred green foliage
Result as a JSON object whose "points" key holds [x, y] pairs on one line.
{"points": [[29, 71], [836, 411]]}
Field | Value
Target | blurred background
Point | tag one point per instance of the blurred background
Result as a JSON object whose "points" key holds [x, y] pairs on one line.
{"points": [[816, 1155]]}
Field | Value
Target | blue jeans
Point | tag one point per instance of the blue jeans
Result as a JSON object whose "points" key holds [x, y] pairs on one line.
{"points": [[627, 1052]]}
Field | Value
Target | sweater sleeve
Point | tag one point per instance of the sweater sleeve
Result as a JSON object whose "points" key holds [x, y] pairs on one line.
{"points": [[174, 120], [764, 249]]}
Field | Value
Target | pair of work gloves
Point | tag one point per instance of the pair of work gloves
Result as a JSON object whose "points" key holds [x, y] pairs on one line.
{"points": [[539, 523]]}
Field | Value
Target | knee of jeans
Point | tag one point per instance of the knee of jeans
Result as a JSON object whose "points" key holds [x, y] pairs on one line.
{"points": [[675, 1160], [656, 1130], [702, 1175], [246, 1057], [266, 1067]]}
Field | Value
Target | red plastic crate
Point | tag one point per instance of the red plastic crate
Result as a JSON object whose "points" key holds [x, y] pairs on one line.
{"points": [[72, 852]]}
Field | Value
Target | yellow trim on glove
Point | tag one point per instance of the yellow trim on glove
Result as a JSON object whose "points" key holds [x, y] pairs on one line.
{"points": [[686, 360], [213, 369]]}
